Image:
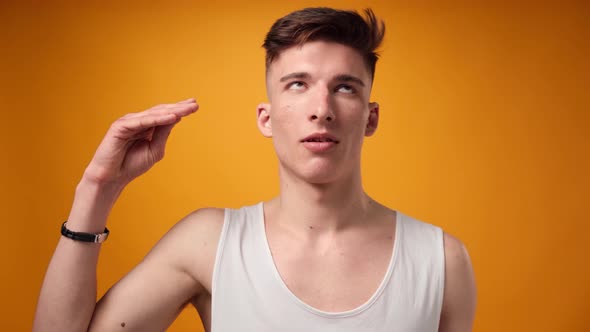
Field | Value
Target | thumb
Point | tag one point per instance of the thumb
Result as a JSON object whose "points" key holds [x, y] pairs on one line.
{"points": [[160, 137]]}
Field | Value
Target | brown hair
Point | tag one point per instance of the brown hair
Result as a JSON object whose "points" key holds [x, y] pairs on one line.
{"points": [[341, 26]]}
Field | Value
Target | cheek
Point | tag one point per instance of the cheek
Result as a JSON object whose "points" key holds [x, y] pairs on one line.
{"points": [[356, 116], [283, 121], [358, 130], [286, 115]]}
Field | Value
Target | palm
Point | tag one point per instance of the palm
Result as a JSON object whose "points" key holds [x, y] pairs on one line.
{"points": [[140, 157]]}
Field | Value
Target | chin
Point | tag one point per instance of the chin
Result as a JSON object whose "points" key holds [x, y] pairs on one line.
{"points": [[317, 173], [319, 177]]}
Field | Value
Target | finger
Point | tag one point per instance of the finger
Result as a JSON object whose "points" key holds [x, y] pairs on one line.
{"points": [[142, 135], [160, 137], [126, 128], [180, 109], [190, 100]]}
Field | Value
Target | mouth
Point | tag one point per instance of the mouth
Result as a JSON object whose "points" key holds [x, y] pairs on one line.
{"points": [[320, 138], [320, 143]]}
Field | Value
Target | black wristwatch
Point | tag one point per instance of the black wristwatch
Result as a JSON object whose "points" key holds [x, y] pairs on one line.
{"points": [[84, 237]]}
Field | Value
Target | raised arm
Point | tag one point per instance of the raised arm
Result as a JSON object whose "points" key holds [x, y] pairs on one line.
{"points": [[132, 145]]}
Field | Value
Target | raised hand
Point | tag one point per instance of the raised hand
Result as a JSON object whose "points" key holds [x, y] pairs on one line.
{"points": [[135, 142]]}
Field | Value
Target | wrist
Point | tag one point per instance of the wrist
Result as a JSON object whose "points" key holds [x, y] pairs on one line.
{"points": [[101, 179], [92, 204], [89, 185], [84, 237]]}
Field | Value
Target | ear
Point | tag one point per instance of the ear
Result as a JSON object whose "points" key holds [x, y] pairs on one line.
{"points": [[373, 120], [264, 124]]}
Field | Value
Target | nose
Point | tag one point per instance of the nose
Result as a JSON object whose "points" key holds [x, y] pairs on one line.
{"points": [[322, 108]]}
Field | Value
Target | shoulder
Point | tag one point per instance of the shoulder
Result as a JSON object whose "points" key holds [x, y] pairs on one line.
{"points": [[459, 290], [197, 225], [455, 251], [191, 244], [203, 220]]}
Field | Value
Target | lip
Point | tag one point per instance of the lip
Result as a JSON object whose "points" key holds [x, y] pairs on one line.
{"points": [[318, 147], [322, 136]]}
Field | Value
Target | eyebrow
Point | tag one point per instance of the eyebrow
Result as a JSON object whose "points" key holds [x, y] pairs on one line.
{"points": [[350, 78], [298, 75], [339, 78]]}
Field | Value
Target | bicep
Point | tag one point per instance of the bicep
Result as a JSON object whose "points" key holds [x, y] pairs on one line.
{"points": [[150, 297], [459, 301]]}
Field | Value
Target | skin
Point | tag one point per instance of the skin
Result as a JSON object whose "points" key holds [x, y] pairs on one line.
{"points": [[319, 87]]}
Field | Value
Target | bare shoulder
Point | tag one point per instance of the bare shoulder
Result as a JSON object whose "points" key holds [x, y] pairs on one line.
{"points": [[458, 310], [455, 251], [204, 221], [194, 240]]}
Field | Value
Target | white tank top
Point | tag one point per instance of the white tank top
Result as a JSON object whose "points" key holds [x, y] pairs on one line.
{"points": [[248, 293]]}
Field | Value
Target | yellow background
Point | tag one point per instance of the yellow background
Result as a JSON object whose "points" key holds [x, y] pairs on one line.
{"points": [[484, 131]]}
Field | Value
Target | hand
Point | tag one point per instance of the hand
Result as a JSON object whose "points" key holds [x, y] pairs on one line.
{"points": [[135, 142]]}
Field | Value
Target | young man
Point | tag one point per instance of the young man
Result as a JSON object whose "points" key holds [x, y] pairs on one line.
{"points": [[322, 256]]}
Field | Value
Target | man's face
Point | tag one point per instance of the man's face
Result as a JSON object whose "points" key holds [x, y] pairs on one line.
{"points": [[319, 111]]}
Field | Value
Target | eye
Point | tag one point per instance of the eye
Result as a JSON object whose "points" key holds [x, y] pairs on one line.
{"points": [[345, 89], [297, 85]]}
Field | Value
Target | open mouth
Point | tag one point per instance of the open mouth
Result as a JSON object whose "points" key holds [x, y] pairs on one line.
{"points": [[318, 139]]}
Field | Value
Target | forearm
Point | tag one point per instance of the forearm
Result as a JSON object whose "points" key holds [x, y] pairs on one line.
{"points": [[131, 146], [68, 295]]}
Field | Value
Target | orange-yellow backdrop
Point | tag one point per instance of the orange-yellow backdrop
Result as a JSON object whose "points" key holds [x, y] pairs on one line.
{"points": [[484, 131]]}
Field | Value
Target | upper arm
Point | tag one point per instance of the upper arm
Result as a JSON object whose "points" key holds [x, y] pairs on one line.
{"points": [[177, 269], [459, 300]]}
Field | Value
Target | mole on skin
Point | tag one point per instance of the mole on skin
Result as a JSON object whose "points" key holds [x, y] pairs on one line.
{"points": [[123, 324]]}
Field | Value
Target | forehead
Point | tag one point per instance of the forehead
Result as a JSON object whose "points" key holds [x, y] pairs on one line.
{"points": [[320, 59]]}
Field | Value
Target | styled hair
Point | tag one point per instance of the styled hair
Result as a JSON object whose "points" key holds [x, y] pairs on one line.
{"points": [[346, 27]]}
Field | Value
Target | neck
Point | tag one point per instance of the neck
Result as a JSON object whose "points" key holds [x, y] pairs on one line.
{"points": [[323, 207]]}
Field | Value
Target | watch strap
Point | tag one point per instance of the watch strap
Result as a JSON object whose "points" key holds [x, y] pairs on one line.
{"points": [[84, 237]]}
